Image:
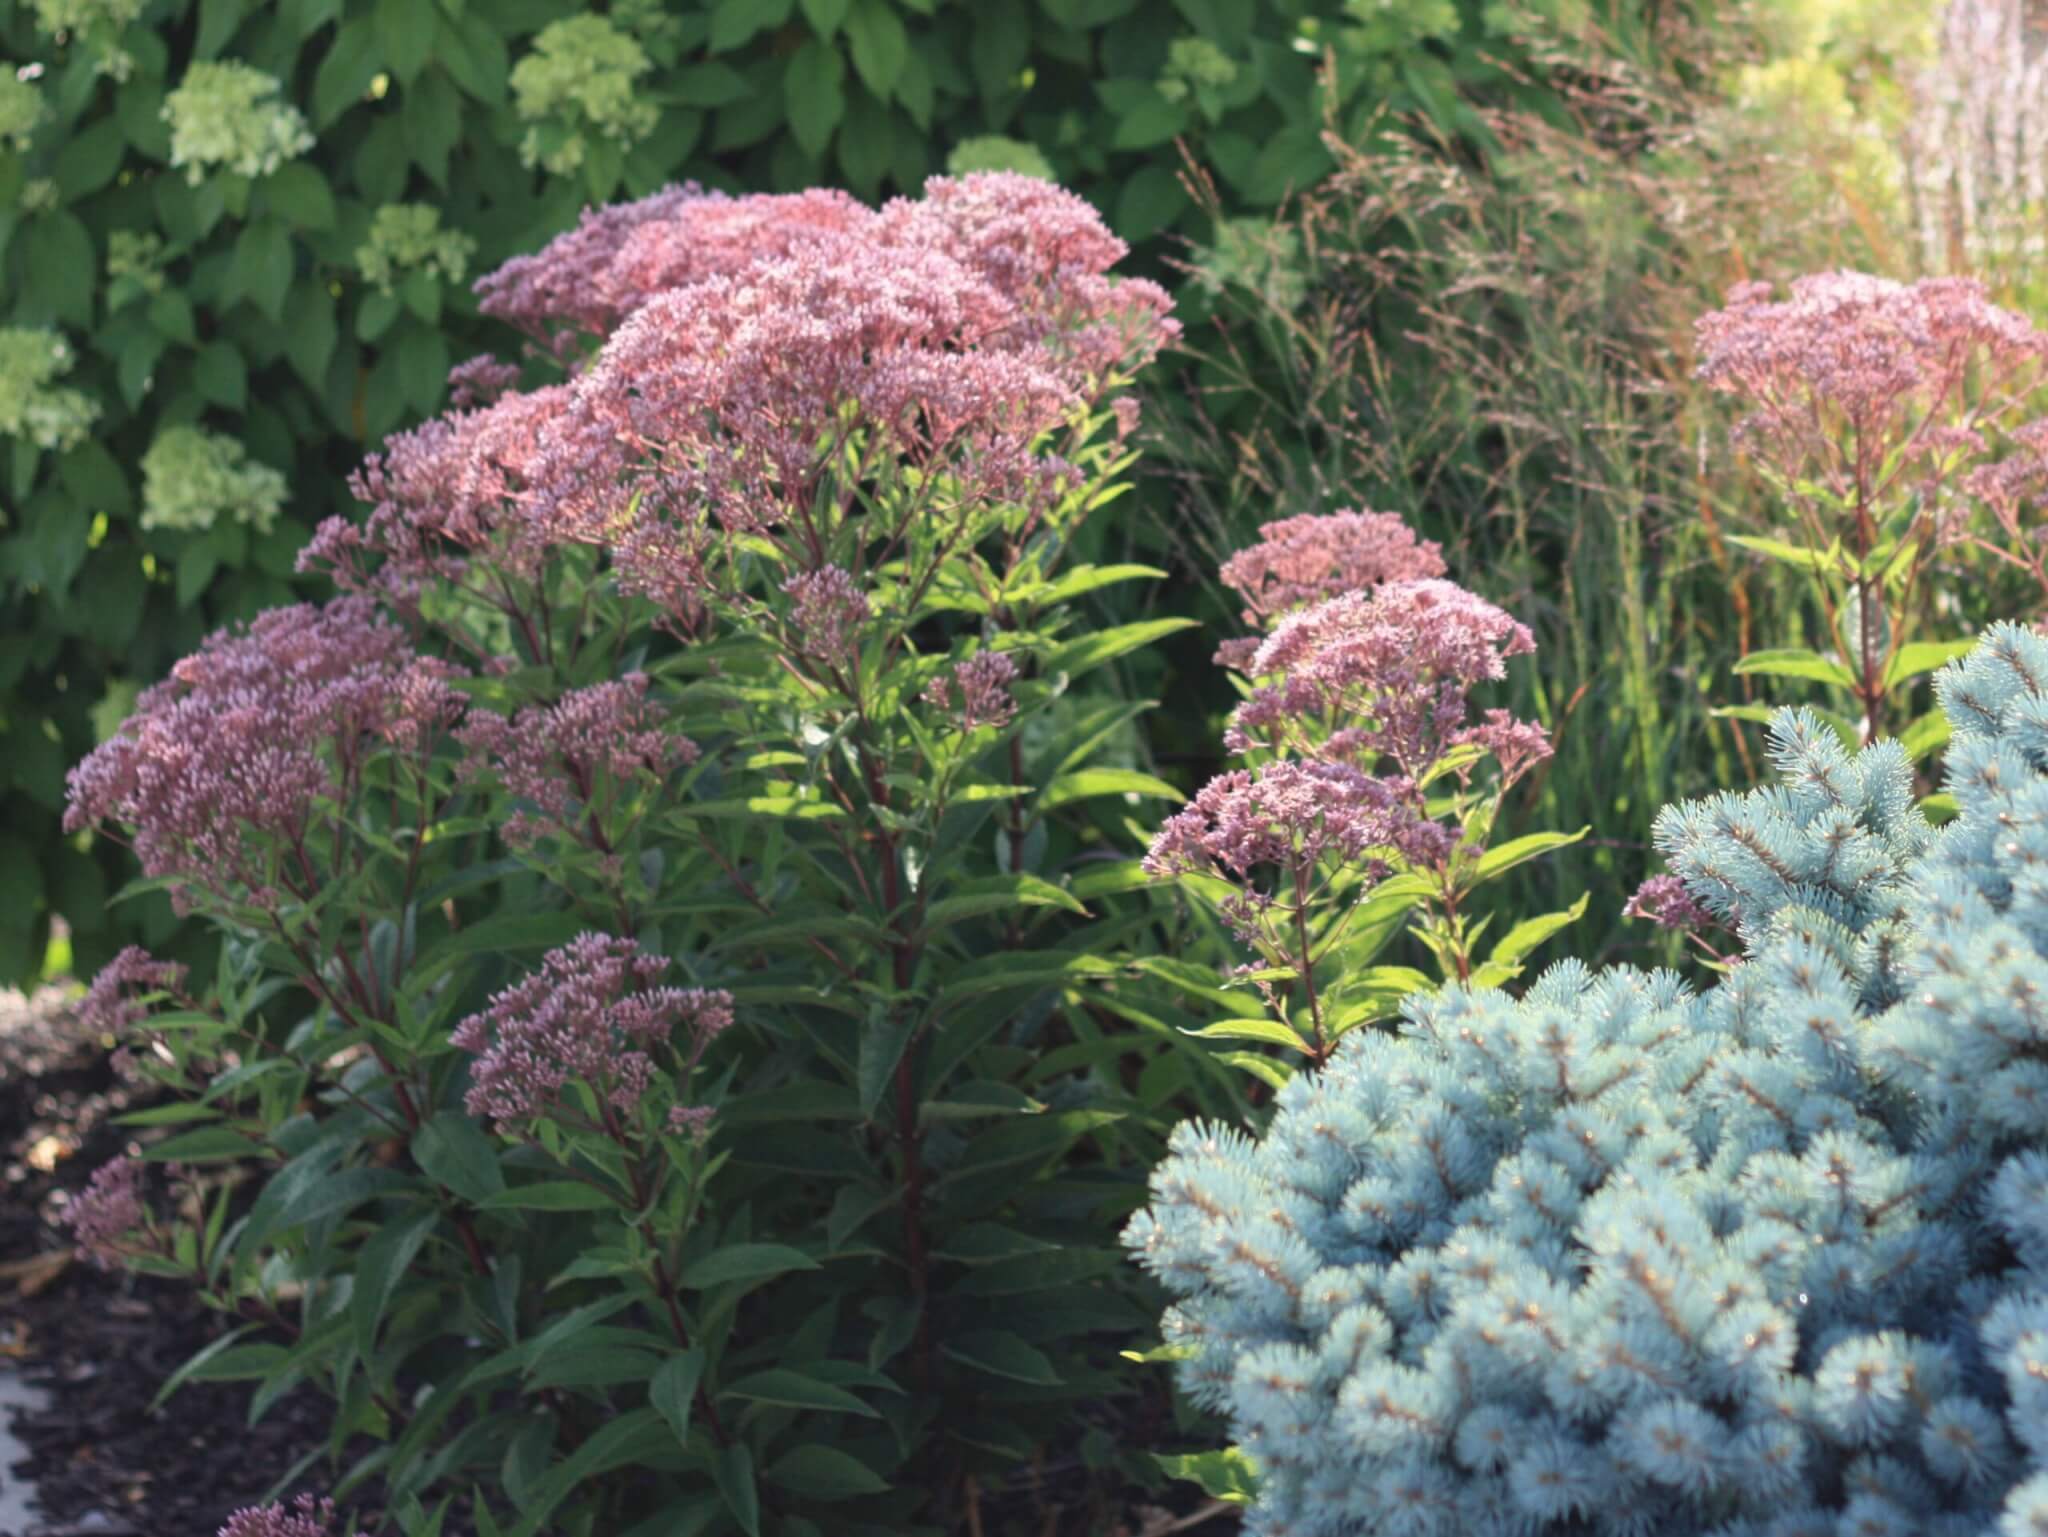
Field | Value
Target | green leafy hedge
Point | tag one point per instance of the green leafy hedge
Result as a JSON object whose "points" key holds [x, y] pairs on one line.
{"points": [[251, 226]]}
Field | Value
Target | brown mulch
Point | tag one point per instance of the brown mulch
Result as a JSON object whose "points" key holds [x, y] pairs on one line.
{"points": [[99, 1345]]}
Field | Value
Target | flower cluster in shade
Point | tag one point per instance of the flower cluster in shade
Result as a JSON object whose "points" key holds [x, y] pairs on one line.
{"points": [[135, 258], [567, 764], [1620, 1258], [33, 406], [1850, 369], [593, 1014], [225, 115], [98, 23], [303, 1517], [192, 478], [110, 1006], [107, 1210], [225, 768], [579, 80], [408, 237]]}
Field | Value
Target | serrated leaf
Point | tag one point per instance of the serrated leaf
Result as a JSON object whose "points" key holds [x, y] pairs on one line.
{"points": [[1796, 662], [1521, 850], [1789, 554], [1002, 1354], [1104, 781], [793, 1390], [1531, 932], [824, 1473], [1924, 656], [745, 1262], [550, 1195], [455, 1151], [1270, 1032], [1087, 652], [673, 1391], [1227, 1475]]}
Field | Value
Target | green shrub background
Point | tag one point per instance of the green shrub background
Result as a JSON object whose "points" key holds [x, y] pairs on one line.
{"points": [[299, 316]]}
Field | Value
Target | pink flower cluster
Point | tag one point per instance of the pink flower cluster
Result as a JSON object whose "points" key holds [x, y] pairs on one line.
{"points": [[303, 1518], [1665, 901], [109, 1007], [827, 610], [977, 690], [1383, 674], [222, 770], [107, 1210], [1318, 555], [569, 761], [1888, 360], [1293, 816], [442, 495], [591, 1013]]}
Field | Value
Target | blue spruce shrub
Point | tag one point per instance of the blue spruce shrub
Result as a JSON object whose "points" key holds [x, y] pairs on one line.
{"points": [[1616, 1257]]}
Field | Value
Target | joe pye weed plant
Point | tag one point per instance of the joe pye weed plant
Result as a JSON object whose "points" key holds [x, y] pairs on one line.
{"points": [[649, 891]]}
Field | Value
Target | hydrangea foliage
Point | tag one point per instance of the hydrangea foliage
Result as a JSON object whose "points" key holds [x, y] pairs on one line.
{"points": [[1765, 1260]]}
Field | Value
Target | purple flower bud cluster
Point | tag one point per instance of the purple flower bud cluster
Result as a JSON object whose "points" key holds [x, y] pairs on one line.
{"points": [[109, 1007], [222, 769], [827, 610], [976, 691], [1665, 901], [593, 1012], [569, 761], [107, 1210], [304, 1517]]}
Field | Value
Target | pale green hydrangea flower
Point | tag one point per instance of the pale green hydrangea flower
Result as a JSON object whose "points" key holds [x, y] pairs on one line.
{"points": [[993, 152], [405, 236], [580, 76], [32, 405], [21, 108], [222, 115], [138, 257], [98, 24], [1195, 64], [38, 194], [191, 478]]}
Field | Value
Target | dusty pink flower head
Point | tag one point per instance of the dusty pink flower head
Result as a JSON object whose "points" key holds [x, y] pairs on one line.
{"points": [[1665, 901], [976, 690], [1877, 356], [107, 1210], [827, 610], [591, 1013], [1318, 555], [590, 279], [108, 1007], [449, 491], [226, 764], [570, 761], [479, 381], [1384, 674], [1292, 819], [304, 1517]]}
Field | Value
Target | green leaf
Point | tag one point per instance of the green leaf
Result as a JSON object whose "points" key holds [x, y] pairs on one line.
{"points": [[422, 366], [883, 1038], [824, 1473], [405, 35], [209, 1144], [60, 254], [1531, 932], [222, 376], [880, 45], [734, 1473], [1224, 1475], [1001, 1354], [825, 16], [673, 1391], [1269, 1031], [793, 1390], [1521, 850], [1929, 734], [455, 1151], [734, 22], [350, 64], [297, 193], [170, 313], [1087, 652], [90, 159], [619, 1442], [218, 21], [1104, 781], [198, 1362], [310, 332], [550, 1195], [1794, 662], [380, 1265], [998, 893], [263, 266], [1790, 554], [745, 1262], [1924, 656], [1375, 993], [813, 95]]}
